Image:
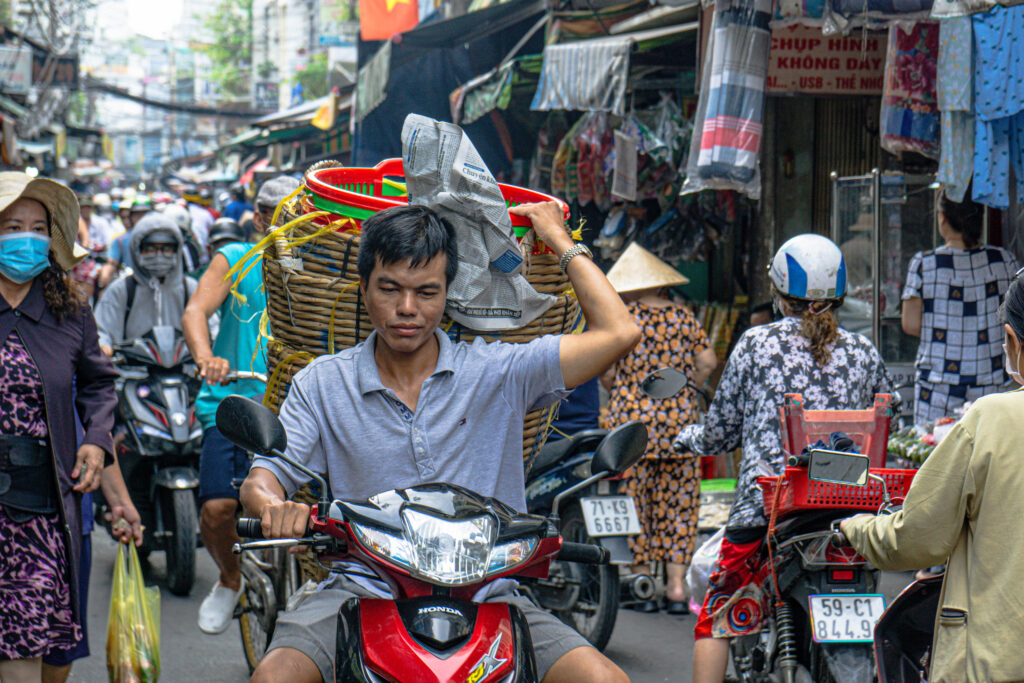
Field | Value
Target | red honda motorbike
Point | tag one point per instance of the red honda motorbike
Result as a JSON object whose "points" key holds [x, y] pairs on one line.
{"points": [[435, 545]]}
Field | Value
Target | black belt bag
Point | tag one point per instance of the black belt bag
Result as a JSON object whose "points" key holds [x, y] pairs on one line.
{"points": [[26, 478]]}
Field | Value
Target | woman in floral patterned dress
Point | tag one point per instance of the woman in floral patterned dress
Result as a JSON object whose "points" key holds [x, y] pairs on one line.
{"points": [[805, 353], [50, 366], [665, 484]]}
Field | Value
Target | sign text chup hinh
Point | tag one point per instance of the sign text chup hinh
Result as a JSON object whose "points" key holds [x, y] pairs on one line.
{"points": [[803, 60]]}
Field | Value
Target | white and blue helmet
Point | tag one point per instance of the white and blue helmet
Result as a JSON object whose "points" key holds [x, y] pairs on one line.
{"points": [[809, 267]]}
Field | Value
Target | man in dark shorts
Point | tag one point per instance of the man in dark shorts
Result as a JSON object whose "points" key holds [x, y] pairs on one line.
{"points": [[408, 406]]}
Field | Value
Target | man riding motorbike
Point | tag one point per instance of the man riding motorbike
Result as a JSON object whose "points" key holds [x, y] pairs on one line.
{"points": [[408, 406], [157, 291], [806, 353], [235, 348], [965, 506]]}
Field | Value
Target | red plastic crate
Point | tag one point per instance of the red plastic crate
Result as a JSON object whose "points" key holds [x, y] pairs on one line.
{"points": [[869, 428], [800, 493]]}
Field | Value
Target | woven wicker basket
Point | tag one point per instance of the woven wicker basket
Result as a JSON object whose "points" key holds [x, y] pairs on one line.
{"points": [[315, 307]]}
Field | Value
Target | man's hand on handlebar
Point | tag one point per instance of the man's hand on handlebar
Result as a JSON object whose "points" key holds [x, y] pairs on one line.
{"points": [[214, 369], [286, 519]]}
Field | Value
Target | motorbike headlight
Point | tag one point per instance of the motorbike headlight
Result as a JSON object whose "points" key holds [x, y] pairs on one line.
{"points": [[508, 555], [387, 545], [449, 552]]}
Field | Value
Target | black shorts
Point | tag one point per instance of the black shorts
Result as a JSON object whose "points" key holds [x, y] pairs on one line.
{"points": [[222, 467]]}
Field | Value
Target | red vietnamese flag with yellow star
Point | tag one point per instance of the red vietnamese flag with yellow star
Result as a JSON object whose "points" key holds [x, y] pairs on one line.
{"points": [[381, 19]]}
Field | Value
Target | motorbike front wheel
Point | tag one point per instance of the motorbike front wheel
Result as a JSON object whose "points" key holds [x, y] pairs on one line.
{"points": [[179, 513], [589, 594]]}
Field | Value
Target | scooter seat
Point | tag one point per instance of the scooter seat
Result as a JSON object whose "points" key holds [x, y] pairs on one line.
{"points": [[554, 452]]}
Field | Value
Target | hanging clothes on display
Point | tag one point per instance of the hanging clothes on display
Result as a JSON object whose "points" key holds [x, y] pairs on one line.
{"points": [[726, 144], [910, 113], [955, 89], [999, 104]]}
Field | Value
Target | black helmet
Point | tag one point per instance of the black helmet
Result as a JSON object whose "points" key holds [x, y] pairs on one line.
{"points": [[225, 229]]}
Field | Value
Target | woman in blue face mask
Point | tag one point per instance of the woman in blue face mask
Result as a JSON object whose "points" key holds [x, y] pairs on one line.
{"points": [[51, 368]]}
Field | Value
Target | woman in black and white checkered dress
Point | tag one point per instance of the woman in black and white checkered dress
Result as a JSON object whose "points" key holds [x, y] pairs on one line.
{"points": [[951, 301]]}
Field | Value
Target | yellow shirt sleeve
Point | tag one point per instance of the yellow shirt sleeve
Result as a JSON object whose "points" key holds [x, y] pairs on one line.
{"points": [[923, 533]]}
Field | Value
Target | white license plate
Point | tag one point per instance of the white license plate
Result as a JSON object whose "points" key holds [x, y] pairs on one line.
{"points": [[610, 516], [845, 618]]}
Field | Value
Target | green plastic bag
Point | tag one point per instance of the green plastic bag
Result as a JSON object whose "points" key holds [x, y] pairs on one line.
{"points": [[133, 631]]}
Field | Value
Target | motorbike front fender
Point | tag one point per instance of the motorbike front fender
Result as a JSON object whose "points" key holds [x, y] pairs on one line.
{"points": [[176, 478], [371, 630]]}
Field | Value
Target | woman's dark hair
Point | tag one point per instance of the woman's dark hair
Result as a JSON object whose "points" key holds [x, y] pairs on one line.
{"points": [[1012, 310], [818, 324], [62, 294], [965, 217], [407, 233]]}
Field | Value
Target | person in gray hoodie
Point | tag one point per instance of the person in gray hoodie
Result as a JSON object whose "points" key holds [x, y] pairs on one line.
{"points": [[156, 291]]}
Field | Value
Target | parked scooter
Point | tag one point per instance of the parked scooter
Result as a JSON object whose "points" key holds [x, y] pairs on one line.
{"points": [[435, 545], [562, 483], [159, 455]]}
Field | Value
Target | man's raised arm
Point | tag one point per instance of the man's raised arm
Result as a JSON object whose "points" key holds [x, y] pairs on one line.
{"points": [[611, 331]]}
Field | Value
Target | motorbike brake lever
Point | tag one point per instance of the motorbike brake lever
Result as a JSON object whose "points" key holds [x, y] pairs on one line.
{"points": [[239, 548], [320, 543]]}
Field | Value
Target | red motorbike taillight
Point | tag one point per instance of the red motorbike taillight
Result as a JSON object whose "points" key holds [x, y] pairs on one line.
{"points": [[842, 555], [840, 575]]}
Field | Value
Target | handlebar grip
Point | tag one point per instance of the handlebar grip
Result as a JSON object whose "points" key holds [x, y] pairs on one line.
{"points": [[799, 460], [248, 527], [584, 553]]}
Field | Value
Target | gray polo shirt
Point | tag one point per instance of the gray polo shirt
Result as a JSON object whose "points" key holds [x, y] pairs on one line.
{"points": [[467, 428]]}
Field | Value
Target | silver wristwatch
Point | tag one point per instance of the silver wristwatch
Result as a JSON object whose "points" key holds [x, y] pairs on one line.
{"points": [[571, 253]]}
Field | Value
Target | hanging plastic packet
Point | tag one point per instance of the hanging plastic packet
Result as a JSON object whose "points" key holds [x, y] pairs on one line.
{"points": [[444, 171], [133, 629]]}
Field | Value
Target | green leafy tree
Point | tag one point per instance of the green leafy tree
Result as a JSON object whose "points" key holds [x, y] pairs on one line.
{"points": [[314, 77], [231, 51]]}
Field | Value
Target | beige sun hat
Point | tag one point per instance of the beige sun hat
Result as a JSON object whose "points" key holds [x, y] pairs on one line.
{"points": [[639, 269], [61, 204]]}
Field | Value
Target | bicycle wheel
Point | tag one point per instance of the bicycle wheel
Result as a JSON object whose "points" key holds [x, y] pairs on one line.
{"points": [[252, 625], [258, 606]]}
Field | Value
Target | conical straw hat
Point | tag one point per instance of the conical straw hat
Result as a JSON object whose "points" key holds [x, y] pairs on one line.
{"points": [[639, 269]]}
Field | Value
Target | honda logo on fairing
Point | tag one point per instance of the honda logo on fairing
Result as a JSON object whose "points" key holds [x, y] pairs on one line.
{"points": [[488, 665], [440, 608]]}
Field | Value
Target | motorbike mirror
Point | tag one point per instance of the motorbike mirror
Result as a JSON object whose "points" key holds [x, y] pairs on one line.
{"points": [[620, 449], [838, 467], [250, 425], [664, 383]]}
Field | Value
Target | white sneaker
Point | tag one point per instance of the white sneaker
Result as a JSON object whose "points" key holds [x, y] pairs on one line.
{"points": [[218, 608]]}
